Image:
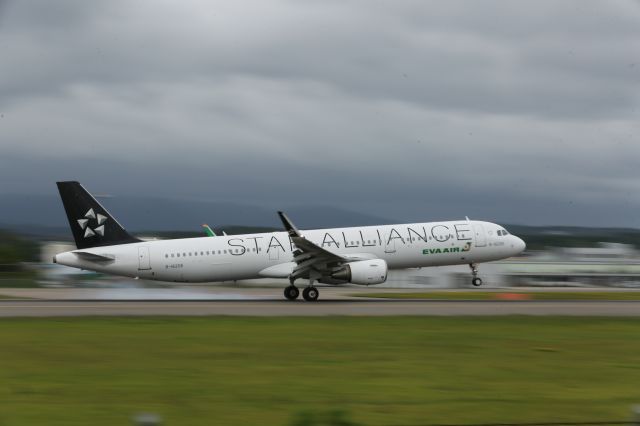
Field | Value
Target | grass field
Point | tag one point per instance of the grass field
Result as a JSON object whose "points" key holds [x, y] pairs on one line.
{"points": [[268, 371], [19, 279], [497, 295]]}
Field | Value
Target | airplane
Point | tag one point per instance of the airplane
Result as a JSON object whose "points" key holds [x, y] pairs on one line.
{"points": [[358, 255]]}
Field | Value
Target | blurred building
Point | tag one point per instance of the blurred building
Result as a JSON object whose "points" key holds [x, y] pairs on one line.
{"points": [[607, 264], [48, 249]]}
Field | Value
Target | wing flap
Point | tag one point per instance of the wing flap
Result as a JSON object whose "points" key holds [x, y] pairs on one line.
{"points": [[308, 256]]}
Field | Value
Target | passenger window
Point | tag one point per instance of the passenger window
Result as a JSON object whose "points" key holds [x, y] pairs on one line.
{"points": [[178, 254], [225, 252], [171, 254], [166, 255]]}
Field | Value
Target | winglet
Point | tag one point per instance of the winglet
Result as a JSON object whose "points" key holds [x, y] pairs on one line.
{"points": [[208, 230], [289, 226]]}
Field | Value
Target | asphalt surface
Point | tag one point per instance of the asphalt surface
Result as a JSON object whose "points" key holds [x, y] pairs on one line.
{"points": [[269, 302]]}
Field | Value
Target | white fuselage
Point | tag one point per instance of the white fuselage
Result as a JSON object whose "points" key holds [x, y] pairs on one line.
{"points": [[237, 257]]}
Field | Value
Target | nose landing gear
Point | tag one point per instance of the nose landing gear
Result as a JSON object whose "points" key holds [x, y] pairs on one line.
{"points": [[475, 281]]}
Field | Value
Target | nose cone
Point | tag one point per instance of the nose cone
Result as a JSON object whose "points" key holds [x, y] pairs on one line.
{"points": [[518, 245]]}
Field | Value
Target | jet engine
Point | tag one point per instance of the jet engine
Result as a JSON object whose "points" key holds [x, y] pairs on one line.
{"points": [[363, 272]]}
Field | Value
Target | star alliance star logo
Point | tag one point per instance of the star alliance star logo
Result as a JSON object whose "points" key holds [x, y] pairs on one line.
{"points": [[84, 224]]}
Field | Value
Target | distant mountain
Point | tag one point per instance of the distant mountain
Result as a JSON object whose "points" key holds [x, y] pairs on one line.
{"points": [[581, 231], [44, 215], [539, 237]]}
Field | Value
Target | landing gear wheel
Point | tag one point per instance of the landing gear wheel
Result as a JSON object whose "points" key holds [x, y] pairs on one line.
{"points": [[291, 292], [477, 282], [310, 294]]}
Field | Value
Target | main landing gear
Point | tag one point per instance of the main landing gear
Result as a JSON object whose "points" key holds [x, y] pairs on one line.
{"points": [[310, 293], [476, 281], [291, 292]]}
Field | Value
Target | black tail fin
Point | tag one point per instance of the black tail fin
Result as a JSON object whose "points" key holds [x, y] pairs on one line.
{"points": [[91, 224]]}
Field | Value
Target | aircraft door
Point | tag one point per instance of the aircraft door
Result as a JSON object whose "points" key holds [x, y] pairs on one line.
{"points": [[143, 259], [274, 253], [390, 246], [479, 235]]}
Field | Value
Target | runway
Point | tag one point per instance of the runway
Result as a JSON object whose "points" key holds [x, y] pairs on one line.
{"points": [[269, 302]]}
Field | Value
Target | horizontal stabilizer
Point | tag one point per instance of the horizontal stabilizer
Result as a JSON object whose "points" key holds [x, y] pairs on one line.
{"points": [[92, 257]]}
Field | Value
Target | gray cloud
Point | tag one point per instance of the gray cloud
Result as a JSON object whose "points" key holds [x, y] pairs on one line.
{"points": [[523, 112]]}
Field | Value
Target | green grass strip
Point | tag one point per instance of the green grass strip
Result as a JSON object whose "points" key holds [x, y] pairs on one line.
{"points": [[281, 371], [7, 297]]}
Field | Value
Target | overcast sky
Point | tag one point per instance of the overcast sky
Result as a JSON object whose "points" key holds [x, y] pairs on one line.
{"points": [[516, 112]]}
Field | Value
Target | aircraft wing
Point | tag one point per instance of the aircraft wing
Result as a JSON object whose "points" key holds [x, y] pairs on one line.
{"points": [[310, 258]]}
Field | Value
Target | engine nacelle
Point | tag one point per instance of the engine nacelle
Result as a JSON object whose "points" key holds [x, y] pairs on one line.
{"points": [[363, 272]]}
